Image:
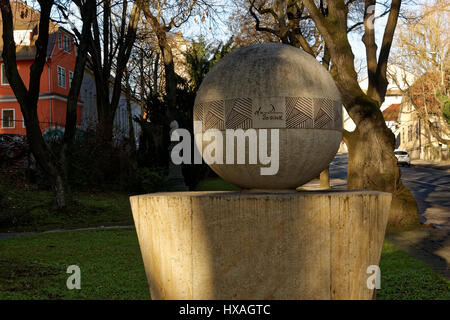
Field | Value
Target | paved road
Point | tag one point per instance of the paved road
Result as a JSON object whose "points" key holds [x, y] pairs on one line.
{"points": [[430, 187]]}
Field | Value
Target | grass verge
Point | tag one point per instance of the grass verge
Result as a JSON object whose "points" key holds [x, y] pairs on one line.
{"points": [[34, 210], [34, 267], [216, 184]]}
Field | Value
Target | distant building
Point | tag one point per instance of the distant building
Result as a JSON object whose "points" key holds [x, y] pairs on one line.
{"points": [[390, 115], [89, 118], [414, 133], [55, 79], [394, 96]]}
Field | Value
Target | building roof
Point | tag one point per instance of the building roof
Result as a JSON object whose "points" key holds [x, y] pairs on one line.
{"points": [[391, 112], [27, 18], [396, 77]]}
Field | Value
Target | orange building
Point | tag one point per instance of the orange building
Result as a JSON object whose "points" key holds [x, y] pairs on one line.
{"points": [[55, 79]]}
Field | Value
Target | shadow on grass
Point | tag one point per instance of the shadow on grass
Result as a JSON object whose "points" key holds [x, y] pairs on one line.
{"points": [[34, 267], [405, 278]]}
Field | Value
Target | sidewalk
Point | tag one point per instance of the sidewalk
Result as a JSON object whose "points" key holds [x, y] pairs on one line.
{"points": [[314, 185], [9, 235], [429, 245], [431, 164]]}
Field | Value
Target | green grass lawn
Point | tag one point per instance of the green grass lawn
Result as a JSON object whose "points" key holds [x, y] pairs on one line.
{"points": [[34, 210], [403, 277], [216, 184], [34, 267]]}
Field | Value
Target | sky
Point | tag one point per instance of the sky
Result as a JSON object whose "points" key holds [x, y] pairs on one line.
{"points": [[218, 30], [221, 32]]}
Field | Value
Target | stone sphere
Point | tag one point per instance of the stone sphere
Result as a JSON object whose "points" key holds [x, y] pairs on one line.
{"points": [[271, 86]]}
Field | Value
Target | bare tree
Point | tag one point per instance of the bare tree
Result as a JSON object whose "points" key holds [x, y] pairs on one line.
{"points": [[28, 97], [87, 9], [146, 77], [422, 49], [129, 95], [108, 49], [164, 16]]}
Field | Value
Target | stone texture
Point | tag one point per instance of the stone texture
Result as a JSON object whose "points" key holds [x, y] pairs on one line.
{"points": [[233, 245], [276, 86]]}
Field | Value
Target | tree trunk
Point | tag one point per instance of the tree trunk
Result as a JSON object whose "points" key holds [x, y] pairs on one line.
{"points": [[115, 53], [161, 30], [132, 138], [60, 187], [105, 126], [27, 97], [372, 165], [169, 75], [87, 13]]}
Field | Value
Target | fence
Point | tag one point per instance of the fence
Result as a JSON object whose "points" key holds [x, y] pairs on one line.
{"points": [[6, 123]]}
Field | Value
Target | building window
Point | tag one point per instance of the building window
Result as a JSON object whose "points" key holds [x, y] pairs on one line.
{"points": [[59, 40], [8, 118], [61, 77], [66, 44], [22, 37], [70, 78], [3, 75], [409, 133], [23, 122], [417, 131]]}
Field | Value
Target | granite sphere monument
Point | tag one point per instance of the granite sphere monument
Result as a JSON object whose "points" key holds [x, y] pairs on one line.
{"points": [[270, 244], [273, 86]]}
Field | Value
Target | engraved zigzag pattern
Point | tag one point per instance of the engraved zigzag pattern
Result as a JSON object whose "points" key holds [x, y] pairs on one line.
{"points": [[198, 112], [323, 113], [238, 113], [301, 112], [214, 117], [322, 120], [298, 112], [327, 106]]}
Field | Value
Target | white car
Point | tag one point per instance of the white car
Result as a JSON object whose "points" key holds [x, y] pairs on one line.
{"points": [[402, 157]]}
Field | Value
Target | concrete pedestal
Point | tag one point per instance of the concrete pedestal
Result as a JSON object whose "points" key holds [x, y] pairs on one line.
{"points": [[233, 245]]}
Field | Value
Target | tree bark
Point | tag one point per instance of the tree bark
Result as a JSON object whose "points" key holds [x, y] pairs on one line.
{"points": [[56, 168], [87, 10], [167, 59], [131, 137], [169, 75], [372, 165], [104, 54]]}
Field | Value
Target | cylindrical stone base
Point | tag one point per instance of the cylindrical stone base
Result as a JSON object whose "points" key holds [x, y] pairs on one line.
{"points": [[233, 245]]}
